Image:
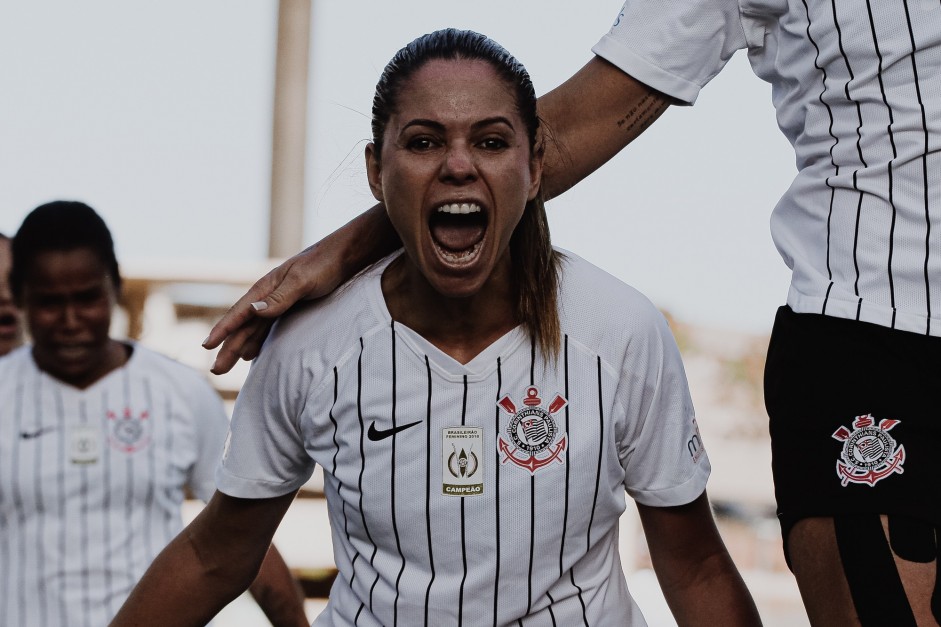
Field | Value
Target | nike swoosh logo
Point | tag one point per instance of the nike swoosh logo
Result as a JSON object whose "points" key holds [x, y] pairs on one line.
{"points": [[29, 435], [376, 435]]}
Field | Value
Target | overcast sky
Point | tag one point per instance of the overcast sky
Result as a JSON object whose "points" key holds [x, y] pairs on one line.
{"points": [[159, 115]]}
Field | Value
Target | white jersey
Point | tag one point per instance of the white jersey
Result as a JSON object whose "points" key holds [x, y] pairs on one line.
{"points": [[474, 494], [91, 481], [857, 89]]}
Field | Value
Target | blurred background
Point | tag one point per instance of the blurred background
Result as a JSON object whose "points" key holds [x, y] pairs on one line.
{"points": [[192, 127]]}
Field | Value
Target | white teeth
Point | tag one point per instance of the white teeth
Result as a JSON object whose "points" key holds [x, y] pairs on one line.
{"points": [[459, 208], [463, 256]]}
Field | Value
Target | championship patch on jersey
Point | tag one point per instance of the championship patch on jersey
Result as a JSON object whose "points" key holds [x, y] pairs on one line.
{"points": [[869, 453], [532, 432], [462, 464], [128, 432], [84, 444]]}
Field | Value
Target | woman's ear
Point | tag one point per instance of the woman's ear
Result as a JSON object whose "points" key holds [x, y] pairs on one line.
{"points": [[535, 168], [374, 171]]}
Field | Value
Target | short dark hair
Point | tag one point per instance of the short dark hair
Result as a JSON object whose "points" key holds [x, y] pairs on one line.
{"points": [[61, 225]]}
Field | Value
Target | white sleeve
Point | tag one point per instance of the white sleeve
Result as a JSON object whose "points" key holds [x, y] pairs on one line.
{"points": [[675, 46], [661, 450], [210, 424], [265, 454]]}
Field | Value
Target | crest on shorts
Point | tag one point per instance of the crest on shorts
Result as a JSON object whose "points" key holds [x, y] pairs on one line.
{"points": [[531, 434], [869, 454], [128, 432]]}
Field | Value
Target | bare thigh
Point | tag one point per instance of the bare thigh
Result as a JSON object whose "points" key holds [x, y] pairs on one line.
{"points": [[825, 590]]}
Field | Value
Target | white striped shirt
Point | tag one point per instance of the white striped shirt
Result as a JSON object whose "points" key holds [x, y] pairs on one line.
{"points": [[91, 481], [543, 453], [857, 89]]}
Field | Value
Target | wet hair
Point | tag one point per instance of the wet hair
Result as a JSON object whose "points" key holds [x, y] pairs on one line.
{"points": [[535, 264], [61, 226]]}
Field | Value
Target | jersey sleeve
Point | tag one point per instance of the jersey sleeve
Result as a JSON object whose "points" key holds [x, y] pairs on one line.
{"points": [[674, 46], [265, 453], [660, 449], [210, 424]]}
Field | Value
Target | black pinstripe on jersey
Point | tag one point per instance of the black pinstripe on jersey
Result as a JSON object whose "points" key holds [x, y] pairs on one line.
{"points": [[829, 23], [498, 499], [395, 522], [460, 595]]}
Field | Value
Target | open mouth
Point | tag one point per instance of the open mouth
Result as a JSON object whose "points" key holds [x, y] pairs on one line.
{"points": [[458, 230], [7, 324]]}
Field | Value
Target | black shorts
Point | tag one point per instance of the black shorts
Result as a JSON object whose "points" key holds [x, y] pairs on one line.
{"points": [[855, 413]]}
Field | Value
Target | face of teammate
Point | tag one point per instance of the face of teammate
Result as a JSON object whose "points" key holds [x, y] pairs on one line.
{"points": [[68, 297], [11, 333], [455, 173]]}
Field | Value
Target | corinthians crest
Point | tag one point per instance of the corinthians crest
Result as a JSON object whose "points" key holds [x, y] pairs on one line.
{"points": [[869, 454], [532, 431], [128, 433]]}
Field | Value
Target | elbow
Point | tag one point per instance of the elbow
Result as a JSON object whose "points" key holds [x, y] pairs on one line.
{"points": [[229, 573]]}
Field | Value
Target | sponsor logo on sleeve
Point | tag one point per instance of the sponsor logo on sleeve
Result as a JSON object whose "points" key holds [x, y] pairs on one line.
{"points": [[694, 444]]}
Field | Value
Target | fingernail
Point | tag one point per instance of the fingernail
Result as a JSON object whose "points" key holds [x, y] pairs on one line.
{"points": [[206, 341], [259, 305]]}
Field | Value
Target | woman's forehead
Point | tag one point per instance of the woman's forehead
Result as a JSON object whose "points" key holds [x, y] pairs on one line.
{"points": [[456, 87], [66, 265]]}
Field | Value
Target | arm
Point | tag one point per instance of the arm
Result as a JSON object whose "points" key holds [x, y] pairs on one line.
{"points": [[312, 273], [278, 593], [208, 564], [696, 573], [588, 119]]}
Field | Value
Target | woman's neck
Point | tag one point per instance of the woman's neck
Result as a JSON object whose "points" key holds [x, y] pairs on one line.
{"points": [[460, 327]]}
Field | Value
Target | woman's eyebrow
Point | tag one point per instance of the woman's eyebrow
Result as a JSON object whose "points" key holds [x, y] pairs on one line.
{"points": [[497, 119], [438, 126]]}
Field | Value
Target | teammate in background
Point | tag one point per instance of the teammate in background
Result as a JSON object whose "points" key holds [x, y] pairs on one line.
{"points": [[11, 331], [853, 366], [476, 401], [98, 439]]}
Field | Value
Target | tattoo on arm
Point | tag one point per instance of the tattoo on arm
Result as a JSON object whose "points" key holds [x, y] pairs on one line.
{"points": [[642, 114]]}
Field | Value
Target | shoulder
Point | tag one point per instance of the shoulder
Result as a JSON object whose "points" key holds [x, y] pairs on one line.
{"points": [[593, 301], [172, 384], [17, 357], [155, 366], [613, 320], [15, 364], [149, 360], [310, 340], [333, 323]]}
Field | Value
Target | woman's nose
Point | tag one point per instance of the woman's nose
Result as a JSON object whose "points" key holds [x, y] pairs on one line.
{"points": [[458, 165], [70, 317]]}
